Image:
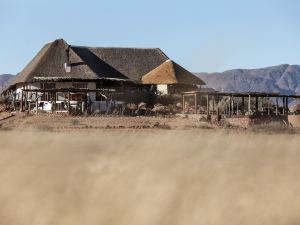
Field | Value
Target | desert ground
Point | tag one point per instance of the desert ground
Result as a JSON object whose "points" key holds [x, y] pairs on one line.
{"points": [[53, 173], [61, 123]]}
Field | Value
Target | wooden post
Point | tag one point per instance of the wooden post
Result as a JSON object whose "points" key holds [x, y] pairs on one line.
{"points": [[195, 103], [36, 102], [217, 106], [214, 102], [227, 109], [229, 106], [183, 104], [243, 105], [256, 104], [21, 109], [269, 106], [207, 104], [249, 105], [287, 105], [25, 100], [232, 105], [237, 107], [69, 103], [283, 105], [276, 106]]}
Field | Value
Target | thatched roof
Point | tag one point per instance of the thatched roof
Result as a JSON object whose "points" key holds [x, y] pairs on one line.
{"points": [[90, 63], [170, 72], [132, 62], [50, 60]]}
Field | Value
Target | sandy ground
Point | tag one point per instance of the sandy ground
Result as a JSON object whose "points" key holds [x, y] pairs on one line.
{"points": [[4, 115], [143, 177], [50, 122], [64, 170]]}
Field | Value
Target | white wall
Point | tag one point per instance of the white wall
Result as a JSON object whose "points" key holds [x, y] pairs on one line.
{"points": [[162, 89]]}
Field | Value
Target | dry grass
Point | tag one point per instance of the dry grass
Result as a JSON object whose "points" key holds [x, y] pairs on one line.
{"points": [[61, 123], [167, 177]]}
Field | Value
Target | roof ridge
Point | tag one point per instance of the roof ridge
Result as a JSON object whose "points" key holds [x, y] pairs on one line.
{"points": [[116, 47], [173, 68]]}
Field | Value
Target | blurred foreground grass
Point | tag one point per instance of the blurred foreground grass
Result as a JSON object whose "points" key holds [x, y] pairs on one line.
{"points": [[146, 177]]}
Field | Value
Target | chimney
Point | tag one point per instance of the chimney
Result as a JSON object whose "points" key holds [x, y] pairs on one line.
{"points": [[67, 64]]}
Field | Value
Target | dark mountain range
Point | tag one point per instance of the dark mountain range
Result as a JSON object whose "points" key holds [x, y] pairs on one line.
{"points": [[278, 79], [4, 80]]}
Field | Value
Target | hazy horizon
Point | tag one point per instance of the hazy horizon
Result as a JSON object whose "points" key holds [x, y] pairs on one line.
{"points": [[202, 36]]}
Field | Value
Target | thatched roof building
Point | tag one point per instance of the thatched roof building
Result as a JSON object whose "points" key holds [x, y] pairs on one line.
{"points": [[170, 72], [59, 61]]}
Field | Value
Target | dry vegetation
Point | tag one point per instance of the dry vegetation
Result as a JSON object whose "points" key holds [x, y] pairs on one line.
{"points": [[63, 123], [145, 177]]}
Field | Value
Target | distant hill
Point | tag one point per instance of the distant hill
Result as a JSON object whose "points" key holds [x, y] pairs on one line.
{"points": [[283, 78], [4, 80]]}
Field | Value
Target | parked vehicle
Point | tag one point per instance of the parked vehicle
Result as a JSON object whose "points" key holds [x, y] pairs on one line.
{"points": [[44, 106]]}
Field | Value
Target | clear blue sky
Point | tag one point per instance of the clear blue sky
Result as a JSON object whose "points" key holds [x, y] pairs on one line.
{"points": [[212, 35]]}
